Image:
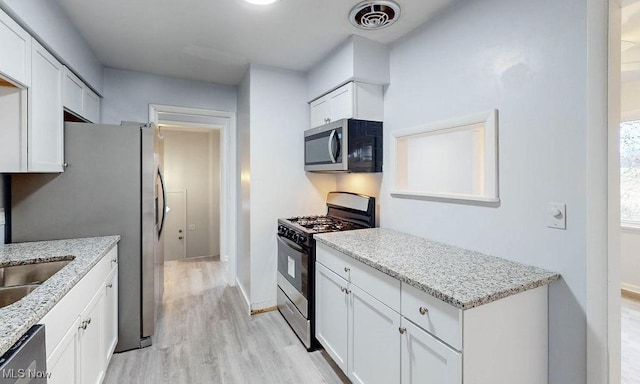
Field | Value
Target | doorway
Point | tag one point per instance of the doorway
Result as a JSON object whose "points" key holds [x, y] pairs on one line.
{"points": [[192, 173], [225, 123]]}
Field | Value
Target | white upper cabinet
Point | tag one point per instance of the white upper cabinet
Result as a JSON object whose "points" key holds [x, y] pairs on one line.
{"points": [[13, 120], [79, 99], [15, 53], [91, 103], [46, 131], [352, 100], [72, 91]]}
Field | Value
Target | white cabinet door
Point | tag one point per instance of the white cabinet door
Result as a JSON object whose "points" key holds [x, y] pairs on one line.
{"points": [[352, 100], [63, 363], [15, 60], [341, 101], [320, 110], [91, 338], [332, 304], [374, 340], [91, 103], [13, 134], [426, 360], [110, 315], [45, 133], [72, 92]]}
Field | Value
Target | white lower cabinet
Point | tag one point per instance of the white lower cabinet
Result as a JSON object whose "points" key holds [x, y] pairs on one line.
{"points": [[92, 363], [110, 314], [379, 330], [63, 363], [360, 333], [332, 307], [82, 328], [427, 360], [374, 343]]}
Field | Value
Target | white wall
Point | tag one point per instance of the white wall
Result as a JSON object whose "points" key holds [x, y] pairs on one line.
{"points": [[127, 95], [243, 155], [630, 238], [279, 185], [46, 20], [188, 167], [630, 260], [528, 61]]}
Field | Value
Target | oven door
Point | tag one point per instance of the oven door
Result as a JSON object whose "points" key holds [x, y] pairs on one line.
{"points": [[293, 273]]}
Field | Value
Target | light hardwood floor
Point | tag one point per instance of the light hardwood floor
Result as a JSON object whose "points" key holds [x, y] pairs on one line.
{"points": [[204, 335], [630, 340]]}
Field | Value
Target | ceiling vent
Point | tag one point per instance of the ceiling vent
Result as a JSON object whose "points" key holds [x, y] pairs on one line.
{"points": [[372, 15]]}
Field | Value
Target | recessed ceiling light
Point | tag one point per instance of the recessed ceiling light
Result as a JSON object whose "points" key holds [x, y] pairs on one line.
{"points": [[261, 2]]}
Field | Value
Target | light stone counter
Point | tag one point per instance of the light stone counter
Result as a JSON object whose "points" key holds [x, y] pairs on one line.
{"points": [[17, 318], [460, 277]]}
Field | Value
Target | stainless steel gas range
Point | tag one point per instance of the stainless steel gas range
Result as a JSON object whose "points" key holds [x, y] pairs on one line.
{"points": [[296, 256]]}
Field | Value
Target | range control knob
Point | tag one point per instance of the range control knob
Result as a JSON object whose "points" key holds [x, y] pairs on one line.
{"points": [[303, 239]]}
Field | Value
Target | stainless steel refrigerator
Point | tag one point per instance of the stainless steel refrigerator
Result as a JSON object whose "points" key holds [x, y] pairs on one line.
{"points": [[112, 185]]}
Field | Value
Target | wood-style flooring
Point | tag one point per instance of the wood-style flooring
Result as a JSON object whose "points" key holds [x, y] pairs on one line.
{"points": [[204, 335], [630, 361]]}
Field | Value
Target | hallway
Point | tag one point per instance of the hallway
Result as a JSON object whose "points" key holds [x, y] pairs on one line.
{"points": [[205, 336]]}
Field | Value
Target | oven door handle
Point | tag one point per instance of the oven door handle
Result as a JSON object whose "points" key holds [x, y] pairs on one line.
{"points": [[289, 244]]}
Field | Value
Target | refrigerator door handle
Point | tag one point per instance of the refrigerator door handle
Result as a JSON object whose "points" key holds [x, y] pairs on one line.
{"points": [[164, 202]]}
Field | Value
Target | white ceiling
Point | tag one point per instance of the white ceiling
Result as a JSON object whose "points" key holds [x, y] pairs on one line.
{"points": [[215, 40], [631, 41]]}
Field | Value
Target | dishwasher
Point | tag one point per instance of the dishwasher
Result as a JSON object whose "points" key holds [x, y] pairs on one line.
{"points": [[25, 362]]}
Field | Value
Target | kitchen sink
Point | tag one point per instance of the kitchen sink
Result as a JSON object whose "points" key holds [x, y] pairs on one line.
{"points": [[30, 273], [9, 295], [17, 281]]}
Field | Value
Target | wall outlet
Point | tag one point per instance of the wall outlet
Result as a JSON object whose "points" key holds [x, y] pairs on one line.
{"points": [[191, 227], [2, 220], [557, 215]]}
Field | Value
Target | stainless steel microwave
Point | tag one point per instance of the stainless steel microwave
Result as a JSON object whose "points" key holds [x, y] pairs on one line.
{"points": [[347, 145]]}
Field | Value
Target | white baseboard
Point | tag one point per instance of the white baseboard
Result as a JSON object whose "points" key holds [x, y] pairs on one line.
{"points": [[630, 288], [245, 296]]}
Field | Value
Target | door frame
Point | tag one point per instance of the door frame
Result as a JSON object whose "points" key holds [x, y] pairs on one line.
{"points": [[603, 191], [184, 209], [225, 121]]}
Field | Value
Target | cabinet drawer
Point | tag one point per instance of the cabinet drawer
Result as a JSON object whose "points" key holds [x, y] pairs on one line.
{"points": [[337, 262], [435, 316], [377, 284]]}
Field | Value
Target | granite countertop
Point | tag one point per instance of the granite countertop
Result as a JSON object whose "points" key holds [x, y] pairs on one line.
{"points": [[17, 318], [460, 277]]}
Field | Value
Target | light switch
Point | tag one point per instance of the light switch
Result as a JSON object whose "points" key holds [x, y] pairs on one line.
{"points": [[2, 221], [557, 215]]}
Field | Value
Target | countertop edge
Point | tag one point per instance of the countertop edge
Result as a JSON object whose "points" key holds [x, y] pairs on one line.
{"points": [[464, 305]]}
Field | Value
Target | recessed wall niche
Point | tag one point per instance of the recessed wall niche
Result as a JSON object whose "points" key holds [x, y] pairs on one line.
{"points": [[452, 159]]}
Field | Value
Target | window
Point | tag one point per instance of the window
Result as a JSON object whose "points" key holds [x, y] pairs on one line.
{"points": [[630, 173]]}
